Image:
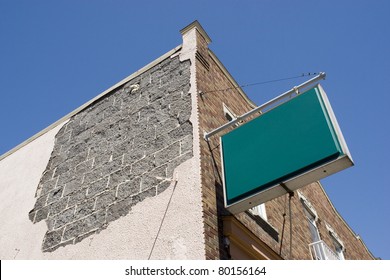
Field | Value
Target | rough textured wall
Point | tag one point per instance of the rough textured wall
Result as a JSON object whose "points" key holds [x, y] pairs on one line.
{"points": [[115, 153], [211, 81]]}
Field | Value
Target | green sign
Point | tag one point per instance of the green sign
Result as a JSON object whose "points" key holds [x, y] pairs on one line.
{"points": [[292, 145]]}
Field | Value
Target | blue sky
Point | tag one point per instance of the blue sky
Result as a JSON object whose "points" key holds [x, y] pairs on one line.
{"points": [[57, 55]]}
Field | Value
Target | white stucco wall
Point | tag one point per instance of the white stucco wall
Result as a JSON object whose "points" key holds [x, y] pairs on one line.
{"points": [[20, 173], [178, 210], [130, 237]]}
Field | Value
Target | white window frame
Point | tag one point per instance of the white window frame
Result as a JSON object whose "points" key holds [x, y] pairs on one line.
{"points": [[311, 216], [228, 113], [260, 211], [308, 206], [338, 244]]}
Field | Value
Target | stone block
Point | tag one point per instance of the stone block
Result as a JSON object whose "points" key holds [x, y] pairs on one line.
{"points": [[47, 175], [122, 148], [160, 171], [31, 215], [105, 199], [50, 222], [111, 166], [151, 192], [94, 221], [85, 208], [129, 188], [52, 238], [176, 162], [58, 206], [182, 131], [118, 209], [77, 197], [97, 187], [76, 149], [54, 195], [57, 160], [41, 214], [149, 181], [155, 93], [78, 129], [163, 186], [63, 167], [186, 144], [102, 158], [120, 176], [64, 217], [72, 186], [80, 227], [40, 202], [167, 125], [168, 154], [63, 139], [84, 167], [133, 156], [142, 166], [66, 177], [92, 175], [144, 138], [48, 186], [72, 230]]}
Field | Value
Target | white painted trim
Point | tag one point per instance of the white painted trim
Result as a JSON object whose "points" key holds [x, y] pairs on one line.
{"points": [[228, 112], [308, 206], [334, 122], [260, 211], [334, 235]]}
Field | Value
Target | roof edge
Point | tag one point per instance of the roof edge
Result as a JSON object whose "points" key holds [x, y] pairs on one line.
{"points": [[231, 79], [85, 105], [195, 24], [346, 224]]}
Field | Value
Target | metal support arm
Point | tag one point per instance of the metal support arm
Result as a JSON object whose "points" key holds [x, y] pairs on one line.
{"points": [[295, 90]]}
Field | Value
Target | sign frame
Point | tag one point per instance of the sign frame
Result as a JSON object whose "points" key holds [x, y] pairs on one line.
{"points": [[343, 161]]}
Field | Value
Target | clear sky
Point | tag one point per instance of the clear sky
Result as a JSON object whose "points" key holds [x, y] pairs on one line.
{"points": [[57, 55]]}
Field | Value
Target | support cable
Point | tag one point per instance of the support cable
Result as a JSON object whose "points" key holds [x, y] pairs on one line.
{"points": [[261, 83], [294, 90], [291, 194], [162, 221], [284, 223]]}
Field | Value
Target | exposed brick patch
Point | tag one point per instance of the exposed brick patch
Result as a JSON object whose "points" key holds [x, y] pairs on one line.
{"points": [[116, 153]]}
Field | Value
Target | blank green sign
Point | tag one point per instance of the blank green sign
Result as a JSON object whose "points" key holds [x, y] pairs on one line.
{"points": [[292, 138]]}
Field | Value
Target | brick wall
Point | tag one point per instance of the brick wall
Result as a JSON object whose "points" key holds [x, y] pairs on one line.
{"points": [[115, 153], [210, 78], [215, 88]]}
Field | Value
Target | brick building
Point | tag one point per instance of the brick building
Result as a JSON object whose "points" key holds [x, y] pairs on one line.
{"points": [[129, 176]]}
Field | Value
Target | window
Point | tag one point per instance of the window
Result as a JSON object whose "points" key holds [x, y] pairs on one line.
{"points": [[339, 250], [316, 246], [311, 215], [315, 235], [337, 243], [259, 210], [229, 115]]}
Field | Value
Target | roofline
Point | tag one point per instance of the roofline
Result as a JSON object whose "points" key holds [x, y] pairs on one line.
{"points": [[231, 79], [85, 105], [195, 24], [345, 223]]}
